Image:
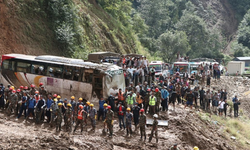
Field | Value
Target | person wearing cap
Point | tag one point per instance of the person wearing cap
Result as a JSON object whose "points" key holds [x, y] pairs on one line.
{"points": [[23, 105], [59, 116], [73, 108], [196, 148], [40, 105], [68, 118], [101, 109], [31, 107], [142, 124], [152, 103], [53, 108], [19, 98], [92, 116], [49, 102], [129, 118], [32, 89], [174, 147], [12, 102], [79, 120], [86, 108], [109, 120], [40, 87], [136, 110], [59, 100], [154, 129]]}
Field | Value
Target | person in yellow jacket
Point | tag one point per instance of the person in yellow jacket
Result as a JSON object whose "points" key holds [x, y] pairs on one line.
{"points": [[130, 99], [152, 103]]}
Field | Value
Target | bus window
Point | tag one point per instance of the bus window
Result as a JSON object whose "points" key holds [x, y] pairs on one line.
{"points": [[37, 69], [68, 72], [23, 67], [9, 65], [76, 73], [54, 71], [87, 76]]}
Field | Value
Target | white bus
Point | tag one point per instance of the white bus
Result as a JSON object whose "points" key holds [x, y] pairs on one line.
{"points": [[63, 76]]}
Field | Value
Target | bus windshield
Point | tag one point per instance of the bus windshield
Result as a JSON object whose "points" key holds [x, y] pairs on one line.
{"points": [[182, 68], [157, 67]]}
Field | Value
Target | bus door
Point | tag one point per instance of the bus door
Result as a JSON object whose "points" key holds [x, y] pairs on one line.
{"points": [[98, 83]]}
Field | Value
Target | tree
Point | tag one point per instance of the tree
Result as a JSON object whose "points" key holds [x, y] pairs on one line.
{"points": [[170, 43], [244, 31]]}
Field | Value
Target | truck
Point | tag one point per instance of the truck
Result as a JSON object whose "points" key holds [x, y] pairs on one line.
{"points": [[236, 66]]}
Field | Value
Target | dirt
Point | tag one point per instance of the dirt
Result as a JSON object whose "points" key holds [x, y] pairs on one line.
{"points": [[23, 32], [185, 128]]}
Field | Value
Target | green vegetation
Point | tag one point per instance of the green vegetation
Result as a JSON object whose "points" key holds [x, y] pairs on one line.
{"points": [[237, 127]]}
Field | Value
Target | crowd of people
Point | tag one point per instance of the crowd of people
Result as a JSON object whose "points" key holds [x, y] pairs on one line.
{"points": [[144, 96]]}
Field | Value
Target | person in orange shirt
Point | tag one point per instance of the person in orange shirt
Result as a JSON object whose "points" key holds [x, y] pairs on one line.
{"points": [[139, 99], [121, 96]]}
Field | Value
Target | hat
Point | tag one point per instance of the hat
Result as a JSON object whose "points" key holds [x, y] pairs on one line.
{"points": [[65, 99]]}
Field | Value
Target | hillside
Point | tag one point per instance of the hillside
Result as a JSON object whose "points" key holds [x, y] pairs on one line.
{"points": [[29, 27]]}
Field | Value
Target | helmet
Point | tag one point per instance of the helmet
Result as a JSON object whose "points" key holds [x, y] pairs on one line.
{"points": [[91, 105], [58, 96], [88, 103], [142, 110], [80, 106], [109, 107], [26, 88], [156, 90], [72, 97], [105, 105], [69, 105], [21, 87], [55, 100], [40, 84], [11, 88], [55, 95], [196, 148], [155, 116], [37, 92], [80, 99], [32, 85], [13, 91], [128, 109], [18, 90], [149, 90], [59, 104]]}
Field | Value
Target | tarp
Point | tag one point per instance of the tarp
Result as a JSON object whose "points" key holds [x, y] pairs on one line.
{"points": [[160, 122]]}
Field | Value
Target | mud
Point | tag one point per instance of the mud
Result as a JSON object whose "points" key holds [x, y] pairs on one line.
{"points": [[185, 128]]}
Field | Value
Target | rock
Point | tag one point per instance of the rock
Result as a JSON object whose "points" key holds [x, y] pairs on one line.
{"points": [[72, 148], [233, 138]]}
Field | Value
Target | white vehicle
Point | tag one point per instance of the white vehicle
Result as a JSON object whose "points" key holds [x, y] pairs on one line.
{"points": [[236, 66], [63, 76], [160, 68]]}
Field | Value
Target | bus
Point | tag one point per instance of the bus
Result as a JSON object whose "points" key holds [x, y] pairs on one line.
{"points": [[160, 68], [183, 66], [194, 67], [63, 76]]}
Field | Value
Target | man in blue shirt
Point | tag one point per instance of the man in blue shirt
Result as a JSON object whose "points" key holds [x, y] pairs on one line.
{"points": [[23, 106], [31, 105], [164, 98], [48, 104], [101, 109]]}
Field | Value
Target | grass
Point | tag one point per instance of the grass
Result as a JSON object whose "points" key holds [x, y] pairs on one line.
{"points": [[237, 127]]}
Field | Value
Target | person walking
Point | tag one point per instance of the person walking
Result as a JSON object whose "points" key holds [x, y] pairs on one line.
{"points": [[110, 120], [79, 120], [154, 129]]}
